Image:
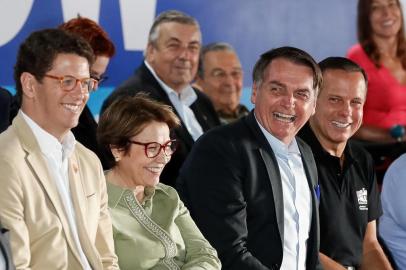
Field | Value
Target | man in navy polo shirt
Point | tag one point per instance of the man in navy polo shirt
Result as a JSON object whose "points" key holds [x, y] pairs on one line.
{"points": [[349, 199]]}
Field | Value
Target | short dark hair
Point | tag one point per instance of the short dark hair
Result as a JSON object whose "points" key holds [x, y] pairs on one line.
{"points": [[292, 54], [166, 17], [212, 47], [342, 63], [93, 33], [127, 117], [37, 53]]}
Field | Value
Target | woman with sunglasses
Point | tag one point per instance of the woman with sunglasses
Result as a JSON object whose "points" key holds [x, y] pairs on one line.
{"points": [[152, 228]]}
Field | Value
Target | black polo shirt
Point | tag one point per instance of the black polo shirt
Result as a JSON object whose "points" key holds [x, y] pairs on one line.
{"points": [[349, 199]]}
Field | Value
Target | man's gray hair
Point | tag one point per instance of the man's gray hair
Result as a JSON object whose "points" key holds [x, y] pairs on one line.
{"points": [[169, 16], [212, 47]]}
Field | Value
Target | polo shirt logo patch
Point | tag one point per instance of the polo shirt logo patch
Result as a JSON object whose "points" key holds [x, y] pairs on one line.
{"points": [[362, 196]]}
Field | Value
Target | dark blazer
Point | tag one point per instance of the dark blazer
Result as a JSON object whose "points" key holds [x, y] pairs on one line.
{"points": [[5, 249], [232, 185], [144, 81], [5, 105]]}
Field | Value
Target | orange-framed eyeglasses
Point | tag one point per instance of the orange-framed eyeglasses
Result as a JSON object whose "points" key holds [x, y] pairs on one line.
{"points": [[68, 83]]}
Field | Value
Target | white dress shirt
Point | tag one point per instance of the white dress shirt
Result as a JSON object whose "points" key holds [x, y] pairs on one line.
{"points": [[181, 102], [57, 156], [296, 201]]}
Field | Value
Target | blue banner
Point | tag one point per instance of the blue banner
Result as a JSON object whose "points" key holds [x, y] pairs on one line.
{"points": [[323, 28]]}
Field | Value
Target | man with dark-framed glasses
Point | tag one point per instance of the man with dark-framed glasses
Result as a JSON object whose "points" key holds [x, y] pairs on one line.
{"points": [[53, 194]]}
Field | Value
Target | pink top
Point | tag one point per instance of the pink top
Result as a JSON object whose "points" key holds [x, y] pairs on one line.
{"points": [[385, 105]]}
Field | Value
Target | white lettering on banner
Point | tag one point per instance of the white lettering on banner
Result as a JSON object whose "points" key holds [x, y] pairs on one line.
{"points": [[13, 15], [136, 19], [88, 8]]}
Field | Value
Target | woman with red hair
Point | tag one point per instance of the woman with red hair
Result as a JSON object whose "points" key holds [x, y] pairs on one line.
{"points": [[103, 49]]}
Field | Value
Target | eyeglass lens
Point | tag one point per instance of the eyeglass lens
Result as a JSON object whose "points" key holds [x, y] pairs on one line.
{"points": [[153, 149], [69, 82]]}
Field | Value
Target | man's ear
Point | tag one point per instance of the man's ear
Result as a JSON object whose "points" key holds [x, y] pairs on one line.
{"points": [[254, 92], [314, 107], [28, 84], [149, 53]]}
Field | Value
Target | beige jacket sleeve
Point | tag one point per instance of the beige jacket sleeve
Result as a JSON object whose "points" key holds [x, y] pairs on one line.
{"points": [[12, 214], [104, 235]]}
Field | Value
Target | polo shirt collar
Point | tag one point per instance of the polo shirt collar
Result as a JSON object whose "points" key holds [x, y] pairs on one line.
{"points": [[308, 135]]}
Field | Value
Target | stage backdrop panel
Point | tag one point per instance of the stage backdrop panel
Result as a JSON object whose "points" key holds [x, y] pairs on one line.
{"points": [[323, 28]]}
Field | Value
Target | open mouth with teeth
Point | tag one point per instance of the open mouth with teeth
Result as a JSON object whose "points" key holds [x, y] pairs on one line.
{"points": [[155, 170], [388, 22], [182, 68], [72, 107], [287, 118], [340, 124]]}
